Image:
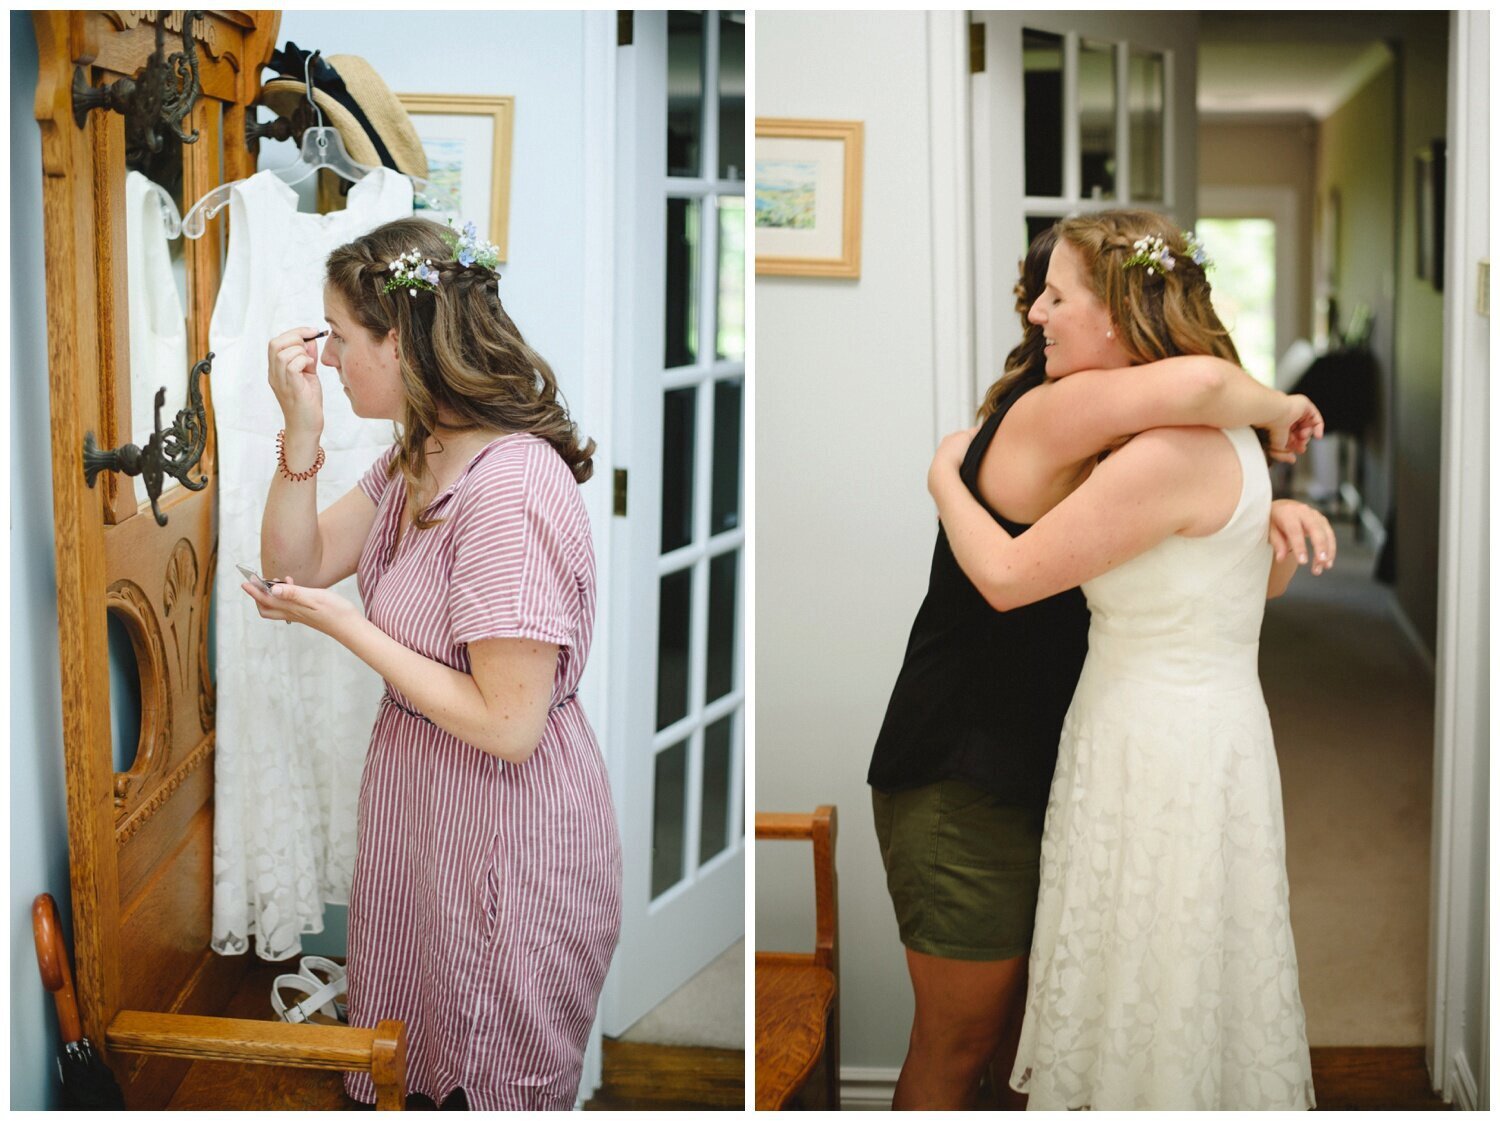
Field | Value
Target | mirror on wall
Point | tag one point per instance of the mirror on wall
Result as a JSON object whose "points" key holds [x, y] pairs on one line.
{"points": [[156, 291]]}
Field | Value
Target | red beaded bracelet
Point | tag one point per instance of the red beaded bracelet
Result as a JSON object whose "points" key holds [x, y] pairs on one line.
{"points": [[286, 472]]}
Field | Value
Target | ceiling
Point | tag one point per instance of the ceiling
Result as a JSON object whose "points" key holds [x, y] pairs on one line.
{"points": [[1301, 78]]}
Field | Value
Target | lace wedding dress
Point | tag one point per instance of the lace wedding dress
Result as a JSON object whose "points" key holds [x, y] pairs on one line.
{"points": [[1162, 971], [294, 707]]}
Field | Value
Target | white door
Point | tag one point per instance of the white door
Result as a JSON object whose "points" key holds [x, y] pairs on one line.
{"points": [[678, 708], [1073, 111]]}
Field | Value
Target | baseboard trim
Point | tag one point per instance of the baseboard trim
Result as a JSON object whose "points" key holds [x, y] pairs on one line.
{"points": [[867, 1087], [1461, 1081], [1413, 638]]}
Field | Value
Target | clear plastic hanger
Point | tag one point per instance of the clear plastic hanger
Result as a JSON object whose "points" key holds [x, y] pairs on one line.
{"points": [[322, 147], [171, 218]]}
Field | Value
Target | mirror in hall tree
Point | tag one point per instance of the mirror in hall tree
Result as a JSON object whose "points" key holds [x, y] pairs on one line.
{"points": [[157, 103]]}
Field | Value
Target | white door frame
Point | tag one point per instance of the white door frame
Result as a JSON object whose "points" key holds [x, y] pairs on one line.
{"points": [[1458, 970], [597, 417], [667, 939]]}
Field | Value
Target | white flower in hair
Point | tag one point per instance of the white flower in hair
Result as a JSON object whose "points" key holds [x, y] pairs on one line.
{"points": [[1152, 252], [412, 271]]}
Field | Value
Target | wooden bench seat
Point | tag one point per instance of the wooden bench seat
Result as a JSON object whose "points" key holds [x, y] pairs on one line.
{"points": [[796, 995]]}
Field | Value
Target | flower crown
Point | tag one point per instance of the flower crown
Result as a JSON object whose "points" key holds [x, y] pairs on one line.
{"points": [[414, 272], [1152, 251]]}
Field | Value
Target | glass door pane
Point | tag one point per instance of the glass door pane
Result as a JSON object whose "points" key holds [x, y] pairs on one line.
{"points": [[731, 95], [1148, 107], [685, 93], [684, 259], [1042, 65], [1096, 119]]}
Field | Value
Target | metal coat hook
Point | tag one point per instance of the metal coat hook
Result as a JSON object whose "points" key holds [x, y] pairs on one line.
{"points": [[173, 451], [162, 98]]}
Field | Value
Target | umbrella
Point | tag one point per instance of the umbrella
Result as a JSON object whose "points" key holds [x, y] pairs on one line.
{"points": [[87, 1083]]}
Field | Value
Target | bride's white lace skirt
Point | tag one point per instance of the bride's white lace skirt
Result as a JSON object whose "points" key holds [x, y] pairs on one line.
{"points": [[1162, 972]]}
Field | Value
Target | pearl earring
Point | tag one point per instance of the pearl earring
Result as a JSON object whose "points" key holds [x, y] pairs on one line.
{"points": [[1109, 334]]}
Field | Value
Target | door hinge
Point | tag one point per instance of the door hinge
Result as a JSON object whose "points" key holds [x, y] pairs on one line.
{"points": [[622, 482], [624, 28], [976, 48]]}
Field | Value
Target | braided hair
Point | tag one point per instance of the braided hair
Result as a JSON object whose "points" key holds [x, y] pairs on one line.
{"points": [[460, 353], [1157, 314]]}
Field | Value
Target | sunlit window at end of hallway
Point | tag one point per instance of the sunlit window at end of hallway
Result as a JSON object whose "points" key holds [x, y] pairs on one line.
{"points": [[1243, 276]]}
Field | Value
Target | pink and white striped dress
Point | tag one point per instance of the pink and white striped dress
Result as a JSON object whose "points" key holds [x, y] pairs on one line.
{"points": [[486, 897]]}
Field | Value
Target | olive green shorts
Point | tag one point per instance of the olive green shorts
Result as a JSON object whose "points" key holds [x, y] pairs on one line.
{"points": [[963, 870]]}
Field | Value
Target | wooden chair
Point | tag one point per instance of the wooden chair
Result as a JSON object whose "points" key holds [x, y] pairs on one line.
{"points": [[178, 1024], [797, 995]]}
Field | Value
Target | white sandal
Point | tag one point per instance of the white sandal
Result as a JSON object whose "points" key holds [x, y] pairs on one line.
{"points": [[322, 971], [309, 1009]]}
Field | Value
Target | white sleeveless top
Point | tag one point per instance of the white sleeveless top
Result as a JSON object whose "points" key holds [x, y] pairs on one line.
{"points": [[294, 707], [158, 324]]}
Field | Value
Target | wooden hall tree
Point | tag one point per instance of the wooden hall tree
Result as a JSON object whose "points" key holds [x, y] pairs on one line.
{"points": [[140, 839]]}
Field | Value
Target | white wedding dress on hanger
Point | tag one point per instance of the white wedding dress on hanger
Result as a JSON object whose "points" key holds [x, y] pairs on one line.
{"points": [[294, 708], [158, 323]]}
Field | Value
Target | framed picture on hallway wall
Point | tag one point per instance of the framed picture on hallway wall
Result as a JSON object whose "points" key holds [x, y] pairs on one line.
{"points": [[467, 139], [807, 197]]}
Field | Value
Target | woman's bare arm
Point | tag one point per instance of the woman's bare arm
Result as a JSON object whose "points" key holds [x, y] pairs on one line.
{"points": [[1163, 482], [1073, 418], [316, 550]]}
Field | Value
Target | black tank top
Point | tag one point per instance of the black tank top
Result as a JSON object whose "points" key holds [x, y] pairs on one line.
{"points": [[982, 694]]}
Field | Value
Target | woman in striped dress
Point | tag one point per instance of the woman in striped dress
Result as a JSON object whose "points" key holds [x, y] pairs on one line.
{"points": [[485, 905]]}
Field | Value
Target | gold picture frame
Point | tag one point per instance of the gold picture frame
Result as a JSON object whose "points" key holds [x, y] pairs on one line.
{"points": [[808, 193], [465, 156]]}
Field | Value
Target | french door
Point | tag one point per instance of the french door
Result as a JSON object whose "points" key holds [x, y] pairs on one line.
{"points": [[679, 534], [1072, 112]]}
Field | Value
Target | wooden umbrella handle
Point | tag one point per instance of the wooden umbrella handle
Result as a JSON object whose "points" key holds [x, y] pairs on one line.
{"points": [[52, 960]]}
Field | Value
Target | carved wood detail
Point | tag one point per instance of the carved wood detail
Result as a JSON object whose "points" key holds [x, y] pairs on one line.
{"points": [[143, 813], [133, 608], [180, 586]]}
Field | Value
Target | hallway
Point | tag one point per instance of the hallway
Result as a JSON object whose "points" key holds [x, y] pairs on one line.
{"points": [[1351, 703]]}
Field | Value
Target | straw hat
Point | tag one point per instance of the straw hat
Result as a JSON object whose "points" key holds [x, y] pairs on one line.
{"points": [[356, 101]]}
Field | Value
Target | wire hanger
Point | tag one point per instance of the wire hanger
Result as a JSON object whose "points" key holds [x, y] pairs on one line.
{"points": [[322, 147]]}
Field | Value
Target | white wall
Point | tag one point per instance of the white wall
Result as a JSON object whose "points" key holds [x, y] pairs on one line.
{"points": [[844, 527]]}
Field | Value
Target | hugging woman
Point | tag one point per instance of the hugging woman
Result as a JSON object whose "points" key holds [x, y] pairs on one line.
{"points": [[965, 757]]}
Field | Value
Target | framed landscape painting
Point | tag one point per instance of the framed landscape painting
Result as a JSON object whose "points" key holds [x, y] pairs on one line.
{"points": [[807, 197], [467, 139]]}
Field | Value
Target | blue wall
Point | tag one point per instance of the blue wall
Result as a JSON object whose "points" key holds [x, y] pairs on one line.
{"points": [[38, 819], [535, 56]]}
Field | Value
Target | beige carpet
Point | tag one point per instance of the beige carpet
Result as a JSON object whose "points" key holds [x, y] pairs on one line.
{"points": [[708, 1011], [1351, 704]]}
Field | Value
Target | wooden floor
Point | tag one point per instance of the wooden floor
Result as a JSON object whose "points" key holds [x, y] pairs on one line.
{"points": [[1373, 1078], [653, 1076], [1359, 1078]]}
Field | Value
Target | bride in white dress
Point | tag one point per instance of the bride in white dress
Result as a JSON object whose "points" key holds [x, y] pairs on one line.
{"points": [[1162, 973]]}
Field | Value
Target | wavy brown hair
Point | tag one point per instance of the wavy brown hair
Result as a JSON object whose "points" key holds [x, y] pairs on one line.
{"points": [[1158, 314], [1155, 315], [459, 351], [1028, 361]]}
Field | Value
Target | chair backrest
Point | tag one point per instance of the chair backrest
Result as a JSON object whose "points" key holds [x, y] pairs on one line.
{"points": [[141, 839], [820, 827]]}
